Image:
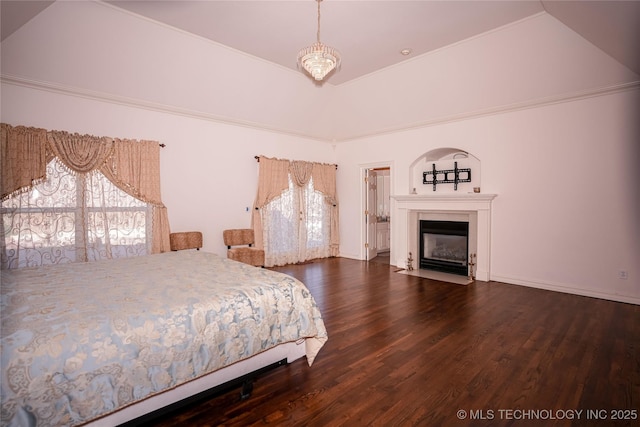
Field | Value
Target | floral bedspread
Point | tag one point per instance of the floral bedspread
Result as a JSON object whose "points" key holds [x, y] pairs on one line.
{"points": [[82, 340]]}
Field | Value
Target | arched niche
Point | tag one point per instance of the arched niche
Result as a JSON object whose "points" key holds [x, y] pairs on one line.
{"points": [[443, 159]]}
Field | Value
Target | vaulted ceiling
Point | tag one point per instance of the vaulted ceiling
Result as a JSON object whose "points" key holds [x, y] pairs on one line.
{"points": [[235, 61], [369, 34]]}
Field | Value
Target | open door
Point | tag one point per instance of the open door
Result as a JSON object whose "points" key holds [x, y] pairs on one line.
{"points": [[371, 184]]}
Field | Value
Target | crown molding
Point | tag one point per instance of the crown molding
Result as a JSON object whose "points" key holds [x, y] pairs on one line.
{"points": [[146, 105], [502, 109], [170, 109]]}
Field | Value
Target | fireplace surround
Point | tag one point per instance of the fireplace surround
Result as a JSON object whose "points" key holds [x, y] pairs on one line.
{"points": [[474, 208]]}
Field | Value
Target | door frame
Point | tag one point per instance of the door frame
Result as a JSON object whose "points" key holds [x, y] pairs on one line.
{"points": [[370, 214], [363, 203]]}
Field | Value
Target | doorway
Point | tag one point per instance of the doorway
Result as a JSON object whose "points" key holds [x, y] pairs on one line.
{"points": [[377, 213]]}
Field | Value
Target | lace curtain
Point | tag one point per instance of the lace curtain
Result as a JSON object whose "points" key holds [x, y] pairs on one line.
{"points": [[296, 211], [99, 190]]}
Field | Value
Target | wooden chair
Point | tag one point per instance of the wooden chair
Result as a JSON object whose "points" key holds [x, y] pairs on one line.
{"points": [[244, 239], [185, 240]]}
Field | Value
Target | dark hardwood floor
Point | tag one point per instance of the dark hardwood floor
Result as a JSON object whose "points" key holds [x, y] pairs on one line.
{"points": [[405, 351]]}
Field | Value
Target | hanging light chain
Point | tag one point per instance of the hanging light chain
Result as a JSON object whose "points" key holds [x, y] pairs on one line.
{"points": [[319, 20]]}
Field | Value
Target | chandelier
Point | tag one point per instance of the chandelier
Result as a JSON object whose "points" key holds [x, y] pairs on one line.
{"points": [[318, 59]]}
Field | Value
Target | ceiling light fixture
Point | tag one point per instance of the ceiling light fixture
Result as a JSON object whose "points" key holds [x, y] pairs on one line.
{"points": [[319, 59]]}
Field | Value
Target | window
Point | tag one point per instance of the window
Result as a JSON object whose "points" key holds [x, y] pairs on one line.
{"points": [[296, 211], [72, 217], [297, 226]]}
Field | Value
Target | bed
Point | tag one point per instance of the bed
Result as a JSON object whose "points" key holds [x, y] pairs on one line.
{"points": [[105, 342]]}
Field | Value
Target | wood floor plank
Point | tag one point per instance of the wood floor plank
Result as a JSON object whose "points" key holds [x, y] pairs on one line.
{"points": [[408, 351]]}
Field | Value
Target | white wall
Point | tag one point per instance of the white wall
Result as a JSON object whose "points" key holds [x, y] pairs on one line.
{"points": [[91, 48], [88, 67], [208, 171], [533, 59], [575, 162], [566, 175]]}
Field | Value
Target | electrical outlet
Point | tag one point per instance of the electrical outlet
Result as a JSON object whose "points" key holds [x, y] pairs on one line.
{"points": [[623, 274]]}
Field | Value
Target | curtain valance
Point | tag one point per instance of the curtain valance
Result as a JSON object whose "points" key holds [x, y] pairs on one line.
{"points": [[80, 153], [276, 174], [23, 158], [273, 179], [132, 165]]}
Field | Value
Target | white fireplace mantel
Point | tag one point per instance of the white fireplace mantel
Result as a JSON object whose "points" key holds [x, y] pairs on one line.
{"points": [[408, 208]]}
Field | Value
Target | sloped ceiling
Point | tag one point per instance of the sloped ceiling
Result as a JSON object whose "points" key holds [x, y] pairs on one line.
{"points": [[613, 26], [531, 51], [370, 34]]}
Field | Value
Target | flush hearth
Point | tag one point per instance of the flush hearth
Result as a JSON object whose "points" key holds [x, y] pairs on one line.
{"points": [[444, 246]]}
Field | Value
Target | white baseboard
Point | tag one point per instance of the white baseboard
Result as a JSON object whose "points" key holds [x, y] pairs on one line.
{"points": [[350, 256], [558, 287]]}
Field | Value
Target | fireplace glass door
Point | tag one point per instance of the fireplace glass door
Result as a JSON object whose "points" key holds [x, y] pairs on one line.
{"points": [[444, 246]]}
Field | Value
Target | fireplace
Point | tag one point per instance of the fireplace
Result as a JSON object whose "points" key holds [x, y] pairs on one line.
{"points": [[444, 246], [410, 209]]}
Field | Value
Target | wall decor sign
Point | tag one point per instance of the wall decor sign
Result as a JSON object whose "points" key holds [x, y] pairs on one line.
{"points": [[447, 176]]}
